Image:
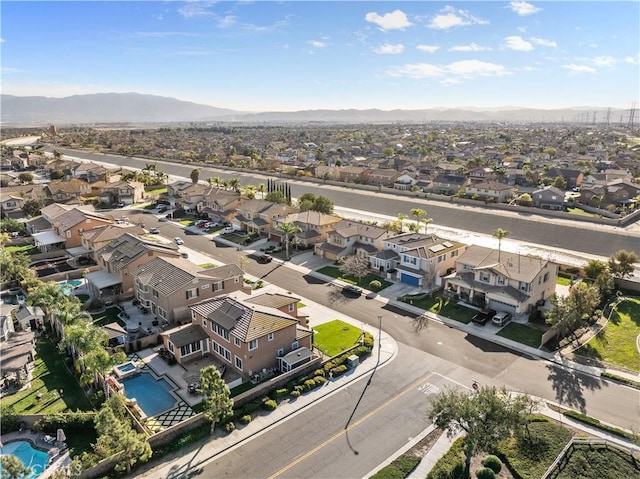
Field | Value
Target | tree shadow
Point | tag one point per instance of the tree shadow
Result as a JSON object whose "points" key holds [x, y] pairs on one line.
{"points": [[569, 386]]}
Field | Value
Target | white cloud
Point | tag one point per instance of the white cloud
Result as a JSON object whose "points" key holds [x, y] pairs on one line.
{"points": [[316, 44], [452, 73], [193, 9], [530, 69], [579, 68], [544, 42], [227, 21], [396, 20], [604, 61], [517, 43], [632, 60], [428, 48], [389, 49], [1, 40], [523, 8], [450, 17], [472, 47]]}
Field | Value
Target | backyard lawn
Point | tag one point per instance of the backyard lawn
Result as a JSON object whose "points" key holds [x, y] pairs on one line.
{"points": [[50, 376], [522, 333], [335, 337], [563, 281], [335, 272], [616, 344], [109, 315], [24, 248]]}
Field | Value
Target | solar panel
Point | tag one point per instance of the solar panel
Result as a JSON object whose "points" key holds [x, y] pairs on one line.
{"points": [[447, 244], [436, 248]]}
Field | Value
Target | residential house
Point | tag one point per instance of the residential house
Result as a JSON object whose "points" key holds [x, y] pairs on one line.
{"points": [[186, 195], [249, 338], [490, 191], [68, 191], [30, 318], [71, 224], [325, 172], [127, 192], [167, 286], [548, 198], [220, 205], [17, 356], [313, 227], [282, 302], [448, 184], [10, 205], [420, 260], [386, 177], [405, 182], [502, 281], [351, 237], [97, 238], [572, 177], [352, 174], [258, 216], [119, 259]]}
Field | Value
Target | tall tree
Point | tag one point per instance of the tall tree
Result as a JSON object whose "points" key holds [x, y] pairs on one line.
{"points": [[621, 264], [195, 175], [218, 403], [288, 229], [11, 467], [354, 265], [418, 213], [401, 218], [500, 234], [485, 418]]}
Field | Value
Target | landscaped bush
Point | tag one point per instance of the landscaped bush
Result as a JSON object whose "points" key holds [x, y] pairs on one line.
{"points": [[338, 371], [269, 405], [279, 393], [309, 384], [9, 420], [319, 372], [187, 438], [485, 473], [451, 465], [295, 393], [492, 462], [398, 469], [246, 419], [597, 424], [615, 377], [375, 285], [72, 421], [229, 427], [319, 380]]}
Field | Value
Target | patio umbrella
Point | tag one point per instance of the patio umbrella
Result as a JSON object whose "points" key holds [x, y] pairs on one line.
{"points": [[60, 437]]}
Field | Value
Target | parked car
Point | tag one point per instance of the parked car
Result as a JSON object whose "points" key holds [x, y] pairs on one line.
{"points": [[178, 241], [351, 290], [201, 223], [184, 254], [501, 318], [483, 316], [154, 231], [264, 258], [162, 209], [210, 224], [229, 229], [120, 205]]}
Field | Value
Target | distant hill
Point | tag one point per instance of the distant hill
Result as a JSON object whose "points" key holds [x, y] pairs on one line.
{"points": [[140, 108]]}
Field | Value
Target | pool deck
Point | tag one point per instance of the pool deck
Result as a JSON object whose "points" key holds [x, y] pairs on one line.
{"points": [[37, 439]]}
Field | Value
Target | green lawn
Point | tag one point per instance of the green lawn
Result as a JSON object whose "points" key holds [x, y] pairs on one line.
{"points": [[335, 272], [580, 212], [562, 281], [109, 315], [522, 333], [335, 336], [24, 248], [446, 307], [49, 377], [616, 344]]}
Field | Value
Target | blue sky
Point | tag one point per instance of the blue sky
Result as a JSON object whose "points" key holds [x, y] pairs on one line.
{"points": [[287, 56]]}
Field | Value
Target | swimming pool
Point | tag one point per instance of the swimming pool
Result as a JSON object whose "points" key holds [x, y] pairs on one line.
{"points": [[125, 369], [69, 286], [31, 457], [153, 395]]}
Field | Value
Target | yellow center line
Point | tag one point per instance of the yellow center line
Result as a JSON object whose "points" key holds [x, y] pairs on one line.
{"points": [[344, 431]]}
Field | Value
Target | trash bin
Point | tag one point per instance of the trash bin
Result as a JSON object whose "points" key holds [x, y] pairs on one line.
{"points": [[353, 361]]}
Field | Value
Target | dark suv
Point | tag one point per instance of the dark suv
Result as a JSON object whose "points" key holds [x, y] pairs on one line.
{"points": [[264, 258], [351, 290], [483, 316]]}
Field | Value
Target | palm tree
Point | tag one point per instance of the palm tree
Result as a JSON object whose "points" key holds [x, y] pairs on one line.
{"points": [[418, 212], [401, 218], [288, 229], [262, 188], [499, 234], [234, 184], [48, 296], [426, 222]]}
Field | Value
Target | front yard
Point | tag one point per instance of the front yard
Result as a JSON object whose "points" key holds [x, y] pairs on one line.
{"points": [[449, 308], [616, 343], [335, 272], [523, 334], [335, 337]]}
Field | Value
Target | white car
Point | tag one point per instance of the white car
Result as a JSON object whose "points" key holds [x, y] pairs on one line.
{"points": [[178, 241], [501, 318]]}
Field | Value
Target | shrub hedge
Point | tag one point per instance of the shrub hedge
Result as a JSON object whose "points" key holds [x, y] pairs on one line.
{"points": [[492, 462], [597, 424], [485, 473], [451, 465]]}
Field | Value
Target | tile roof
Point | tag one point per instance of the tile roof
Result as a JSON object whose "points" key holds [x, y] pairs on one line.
{"points": [[187, 334], [512, 265], [274, 300]]}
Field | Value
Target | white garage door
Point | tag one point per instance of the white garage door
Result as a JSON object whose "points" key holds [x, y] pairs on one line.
{"points": [[500, 306]]}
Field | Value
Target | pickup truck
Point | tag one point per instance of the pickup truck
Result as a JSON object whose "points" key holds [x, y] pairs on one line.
{"points": [[483, 316]]}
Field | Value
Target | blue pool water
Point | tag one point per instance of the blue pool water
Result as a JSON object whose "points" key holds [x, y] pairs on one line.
{"points": [[153, 395], [126, 367], [31, 457], [69, 286]]}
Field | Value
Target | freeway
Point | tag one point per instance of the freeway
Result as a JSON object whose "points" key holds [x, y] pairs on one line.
{"points": [[534, 228]]}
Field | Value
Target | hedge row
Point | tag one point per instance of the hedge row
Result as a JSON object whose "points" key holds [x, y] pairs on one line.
{"points": [[398, 469], [451, 465], [71, 421], [591, 421], [620, 379]]}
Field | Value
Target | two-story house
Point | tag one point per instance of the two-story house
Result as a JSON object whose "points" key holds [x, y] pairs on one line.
{"points": [[351, 237], [418, 259], [502, 281], [448, 184], [490, 191], [383, 177], [247, 337], [548, 198], [167, 286], [572, 177], [127, 192], [10, 205], [71, 224], [313, 227], [68, 191], [186, 195], [258, 216], [220, 205], [352, 174], [97, 238], [119, 259]]}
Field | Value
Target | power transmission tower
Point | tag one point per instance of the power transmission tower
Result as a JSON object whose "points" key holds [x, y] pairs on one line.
{"points": [[632, 114], [608, 117]]}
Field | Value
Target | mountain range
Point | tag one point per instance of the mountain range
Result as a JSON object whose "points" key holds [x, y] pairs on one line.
{"points": [[134, 108]]}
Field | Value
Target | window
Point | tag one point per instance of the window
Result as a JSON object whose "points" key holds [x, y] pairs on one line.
{"points": [[253, 345], [500, 279], [523, 286], [154, 293], [545, 278], [295, 345], [192, 293], [162, 313], [280, 352], [220, 331], [237, 342], [484, 276], [270, 337], [292, 307], [218, 286], [238, 363], [454, 253], [171, 346], [204, 323]]}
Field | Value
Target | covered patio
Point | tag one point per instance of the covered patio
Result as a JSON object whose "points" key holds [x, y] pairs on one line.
{"points": [[48, 241], [103, 284]]}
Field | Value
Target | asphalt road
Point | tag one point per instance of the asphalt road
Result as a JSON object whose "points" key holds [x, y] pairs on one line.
{"points": [[532, 228]]}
